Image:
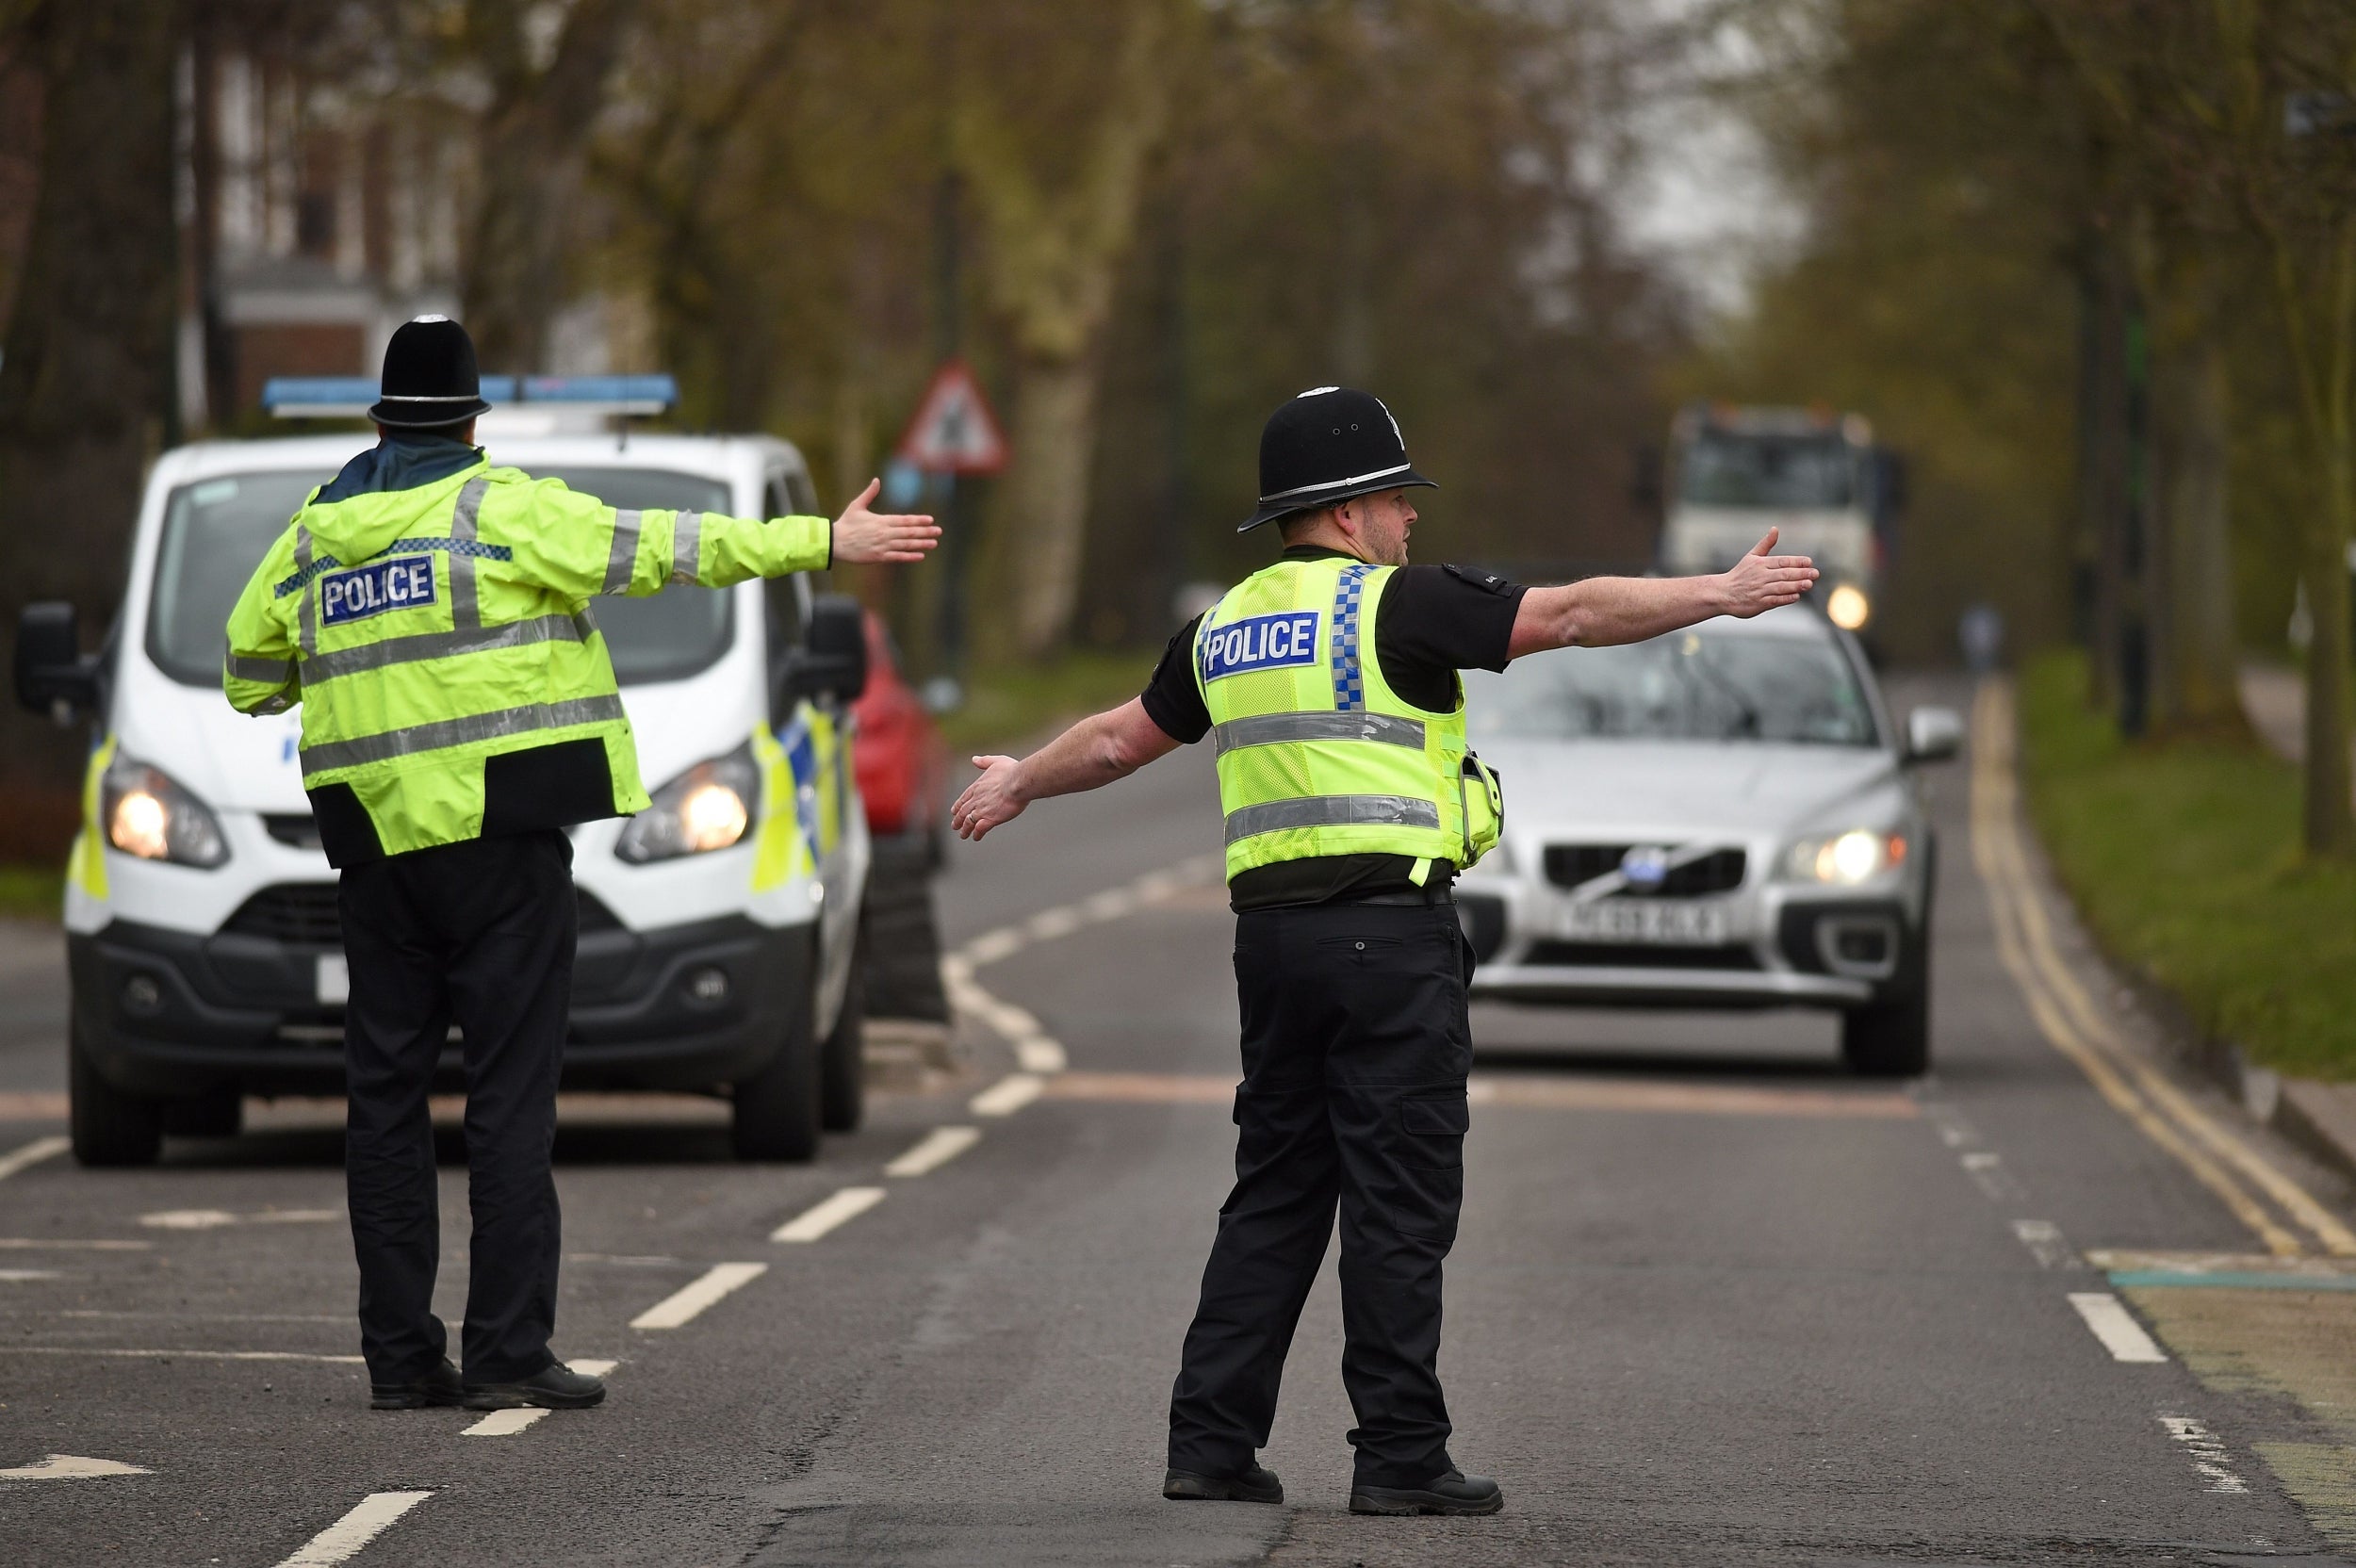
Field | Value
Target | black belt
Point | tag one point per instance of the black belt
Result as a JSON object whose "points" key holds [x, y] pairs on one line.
{"points": [[1441, 894]]}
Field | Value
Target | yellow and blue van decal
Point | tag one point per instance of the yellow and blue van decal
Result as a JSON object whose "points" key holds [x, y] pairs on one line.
{"points": [[86, 863], [789, 843]]}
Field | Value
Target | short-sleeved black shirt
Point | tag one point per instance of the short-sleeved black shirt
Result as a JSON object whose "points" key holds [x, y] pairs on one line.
{"points": [[1431, 622]]}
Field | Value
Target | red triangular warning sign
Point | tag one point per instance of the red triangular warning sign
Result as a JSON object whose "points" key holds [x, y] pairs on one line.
{"points": [[954, 431]]}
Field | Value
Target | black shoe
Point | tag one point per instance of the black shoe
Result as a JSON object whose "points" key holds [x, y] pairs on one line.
{"points": [[1255, 1484], [439, 1387], [1452, 1493], [555, 1386]]}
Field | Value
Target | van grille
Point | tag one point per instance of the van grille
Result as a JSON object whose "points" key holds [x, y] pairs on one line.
{"points": [[301, 913]]}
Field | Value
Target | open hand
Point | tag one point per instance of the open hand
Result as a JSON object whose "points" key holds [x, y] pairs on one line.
{"points": [[989, 800], [1760, 582], [861, 535]]}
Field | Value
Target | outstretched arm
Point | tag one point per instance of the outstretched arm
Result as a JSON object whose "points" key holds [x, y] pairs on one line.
{"points": [[1603, 611], [1090, 754]]}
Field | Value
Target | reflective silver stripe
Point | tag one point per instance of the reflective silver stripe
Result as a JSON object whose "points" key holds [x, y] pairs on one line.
{"points": [[464, 610], [457, 732], [443, 645], [585, 625], [273, 672], [1270, 729], [624, 554], [1336, 483], [307, 626], [687, 531], [1332, 811]]}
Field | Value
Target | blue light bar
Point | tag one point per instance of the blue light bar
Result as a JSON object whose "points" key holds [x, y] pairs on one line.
{"points": [[350, 397]]}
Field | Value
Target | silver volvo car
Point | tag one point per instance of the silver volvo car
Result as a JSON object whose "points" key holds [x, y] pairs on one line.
{"points": [[1722, 817]]}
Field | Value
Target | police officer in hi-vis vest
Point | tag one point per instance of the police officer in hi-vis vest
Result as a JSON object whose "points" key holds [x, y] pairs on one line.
{"points": [[1329, 681], [430, 614]]}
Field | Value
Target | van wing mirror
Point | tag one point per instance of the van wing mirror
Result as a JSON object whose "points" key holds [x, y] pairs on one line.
{"points": [[1933, 734], [832, 660], [53, 675]]}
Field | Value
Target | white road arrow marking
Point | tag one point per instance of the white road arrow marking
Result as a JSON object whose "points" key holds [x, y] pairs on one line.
{"points": [[68, 1467]]}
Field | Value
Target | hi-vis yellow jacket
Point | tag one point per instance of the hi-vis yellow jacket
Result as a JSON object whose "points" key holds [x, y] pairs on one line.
{"points": [[439, 640], [1316, 755]]}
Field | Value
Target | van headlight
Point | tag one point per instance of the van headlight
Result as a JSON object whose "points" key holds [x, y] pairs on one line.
{"points": [[706, 807], [146, 814], [1844, 860], [1847, 607]]}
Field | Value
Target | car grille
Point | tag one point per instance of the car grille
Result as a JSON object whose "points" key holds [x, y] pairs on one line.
{"points": [[1569, 865], [1639, 956], [302, 913]]}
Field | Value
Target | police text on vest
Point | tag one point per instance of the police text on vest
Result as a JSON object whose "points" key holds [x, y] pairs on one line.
{"points": [[403, 582], [1261, 643]]}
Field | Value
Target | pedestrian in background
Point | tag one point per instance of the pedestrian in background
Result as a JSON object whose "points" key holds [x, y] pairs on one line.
{"points": [[1329, 679], [430, 614]]}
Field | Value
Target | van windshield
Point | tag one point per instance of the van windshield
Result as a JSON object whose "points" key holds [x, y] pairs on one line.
{"points": [[216, 529]]}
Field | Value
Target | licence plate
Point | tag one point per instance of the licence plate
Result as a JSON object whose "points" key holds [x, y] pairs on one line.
{"points": [[334, 979], [1670, 922]]}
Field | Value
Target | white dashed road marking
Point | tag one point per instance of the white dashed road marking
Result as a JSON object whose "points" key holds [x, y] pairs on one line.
{"points": [[70, 1468], [1008, 1095], [843, 1206], [21, 1276], [341, 1540], [682, 1305], [177, 1355], [507, 1423], [938, 1147], [2045, 1242], [1987, 1170], [2116, 1328], [2207, 1454], [213, 1219], [31, 1154]]}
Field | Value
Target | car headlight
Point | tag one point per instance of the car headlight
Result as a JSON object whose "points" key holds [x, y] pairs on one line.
{"points": [[706, 807], [1844, 860], [1847, 607], [146, 814]]}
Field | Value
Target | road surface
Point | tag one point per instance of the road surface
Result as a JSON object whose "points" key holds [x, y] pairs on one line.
{"points": [[1714, 1303]]}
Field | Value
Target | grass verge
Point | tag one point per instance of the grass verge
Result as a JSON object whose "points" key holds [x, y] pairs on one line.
{"points": [[2184, 858], [1011, 707], [31, 892]]}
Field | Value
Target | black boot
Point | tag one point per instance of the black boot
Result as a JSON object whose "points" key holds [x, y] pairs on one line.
{"points": [[437, 1387], [555, 1386], [1253, 1484], [1451, 1493]]}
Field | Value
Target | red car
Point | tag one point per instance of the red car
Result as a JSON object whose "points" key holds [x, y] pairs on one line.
{"points": [[902, 760]]}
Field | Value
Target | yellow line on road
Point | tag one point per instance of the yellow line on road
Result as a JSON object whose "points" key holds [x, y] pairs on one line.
{"points": [[2078, 1029]]}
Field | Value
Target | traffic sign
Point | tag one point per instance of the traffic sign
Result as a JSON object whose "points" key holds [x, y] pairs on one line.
{"points": [[954, 431]]}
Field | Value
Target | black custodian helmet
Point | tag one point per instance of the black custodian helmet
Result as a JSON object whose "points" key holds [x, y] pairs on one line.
{"points": [[1327, 445], [430, 377]]}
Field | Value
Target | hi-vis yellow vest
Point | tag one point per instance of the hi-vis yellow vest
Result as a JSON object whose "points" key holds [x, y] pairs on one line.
{"points": [[426, 632], [1316, 755]]}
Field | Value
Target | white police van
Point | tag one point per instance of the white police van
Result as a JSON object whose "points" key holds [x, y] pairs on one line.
{"points": [[721, 931]]}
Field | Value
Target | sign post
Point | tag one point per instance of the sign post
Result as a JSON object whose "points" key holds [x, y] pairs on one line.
{"points": [[954, 433]]}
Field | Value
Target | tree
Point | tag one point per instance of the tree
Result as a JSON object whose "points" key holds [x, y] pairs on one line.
{"points": [[544, 97], [1056, 111], [90, 341], [2246, 110]]}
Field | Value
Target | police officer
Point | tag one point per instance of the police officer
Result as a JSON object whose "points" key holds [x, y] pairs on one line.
{"points": [[1330, 681], [430, 614]]}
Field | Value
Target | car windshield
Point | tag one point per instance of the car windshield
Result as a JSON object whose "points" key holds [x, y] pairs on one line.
{"points": [[1795, 472], [216, 529], [1700, 684]]}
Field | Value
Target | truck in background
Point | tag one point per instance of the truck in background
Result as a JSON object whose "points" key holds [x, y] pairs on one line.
{"points": [[1816, 475]]}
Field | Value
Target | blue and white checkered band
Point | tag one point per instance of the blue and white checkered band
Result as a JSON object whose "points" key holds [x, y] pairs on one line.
{"points": [[1349, 682]]}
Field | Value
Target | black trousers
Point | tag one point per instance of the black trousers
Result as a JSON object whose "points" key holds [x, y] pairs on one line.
{"points": [[1355, 1052], [480, 934]]}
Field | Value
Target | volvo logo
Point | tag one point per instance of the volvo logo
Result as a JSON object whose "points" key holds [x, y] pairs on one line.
{"points": [[1645, 866]]}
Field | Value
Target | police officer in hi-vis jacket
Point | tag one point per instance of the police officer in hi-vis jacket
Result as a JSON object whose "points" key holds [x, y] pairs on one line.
{"points": [[430, 614], [1328, 681]]}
